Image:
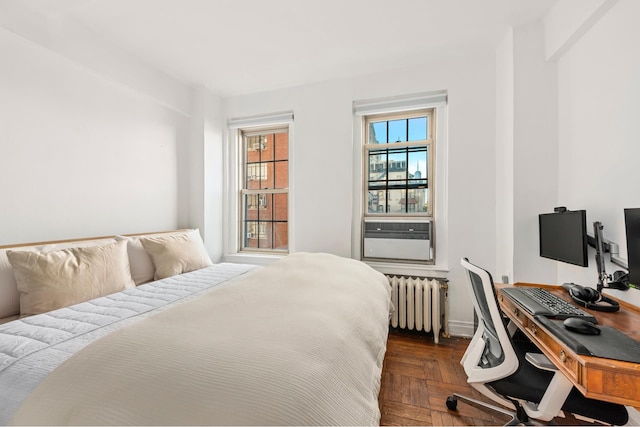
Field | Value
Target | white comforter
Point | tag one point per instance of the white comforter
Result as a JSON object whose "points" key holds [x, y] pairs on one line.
{"points": [[32, 347], [298, 342]]}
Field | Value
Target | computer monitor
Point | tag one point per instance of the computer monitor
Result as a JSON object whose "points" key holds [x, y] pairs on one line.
{"points": [[563, 237], [632, 226]]}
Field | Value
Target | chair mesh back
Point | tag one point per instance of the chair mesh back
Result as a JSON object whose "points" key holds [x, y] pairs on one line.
{"points": [[493, 353]]}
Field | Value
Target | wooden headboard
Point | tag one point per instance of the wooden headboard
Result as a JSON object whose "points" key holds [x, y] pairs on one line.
{"points": [[9, 295]]}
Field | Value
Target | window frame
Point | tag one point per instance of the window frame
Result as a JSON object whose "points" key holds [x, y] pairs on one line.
{"points": [[429, 143], [438, 99], [243, 147]]}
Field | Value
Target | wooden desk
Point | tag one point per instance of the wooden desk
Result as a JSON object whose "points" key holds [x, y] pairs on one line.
{"points": [[602, 379]]}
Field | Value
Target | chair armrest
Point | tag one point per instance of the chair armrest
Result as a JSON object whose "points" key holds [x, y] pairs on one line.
{"points": [[540, 361]]}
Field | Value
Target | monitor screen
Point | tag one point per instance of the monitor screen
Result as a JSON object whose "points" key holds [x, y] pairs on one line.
{"points": [[632, 226], [563, 237]]}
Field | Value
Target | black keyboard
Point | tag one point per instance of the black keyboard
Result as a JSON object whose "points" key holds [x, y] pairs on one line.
{"points": [[541, 302]]}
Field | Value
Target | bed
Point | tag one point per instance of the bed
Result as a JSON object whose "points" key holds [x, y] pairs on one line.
{"points": [[298, 342]]}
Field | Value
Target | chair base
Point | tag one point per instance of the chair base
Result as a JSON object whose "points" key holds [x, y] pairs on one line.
{"points": [[518, 417]]}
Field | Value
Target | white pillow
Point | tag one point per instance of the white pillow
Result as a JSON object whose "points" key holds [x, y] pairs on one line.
{"points": [[9, 295], [54, 279], [177, 253], [140, 262]]}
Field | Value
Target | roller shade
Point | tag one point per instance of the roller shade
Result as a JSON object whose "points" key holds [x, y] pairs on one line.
{"points": [[261, 120], [400, 103]]}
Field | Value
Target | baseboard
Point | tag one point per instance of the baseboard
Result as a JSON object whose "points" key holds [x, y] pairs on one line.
{"points": [[461, 329]]}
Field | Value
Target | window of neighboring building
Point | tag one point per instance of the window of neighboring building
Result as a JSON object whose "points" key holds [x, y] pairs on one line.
{"points": [[399, 163], [265, 189]]}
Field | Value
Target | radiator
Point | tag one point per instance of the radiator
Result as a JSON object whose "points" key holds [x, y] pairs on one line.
{"points": [[419, 303]]}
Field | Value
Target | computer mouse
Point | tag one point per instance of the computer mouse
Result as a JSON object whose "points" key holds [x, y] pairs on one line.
{"points": [[581, 326]]}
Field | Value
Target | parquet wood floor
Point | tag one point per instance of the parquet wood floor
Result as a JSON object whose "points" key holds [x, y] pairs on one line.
{"points": [[417, 377]]}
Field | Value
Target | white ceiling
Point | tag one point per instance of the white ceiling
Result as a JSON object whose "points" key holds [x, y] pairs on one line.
{"points": [[242, 46]]}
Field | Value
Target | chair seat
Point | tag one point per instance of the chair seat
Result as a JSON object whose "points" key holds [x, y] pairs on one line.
{"points": [[529, 383]]}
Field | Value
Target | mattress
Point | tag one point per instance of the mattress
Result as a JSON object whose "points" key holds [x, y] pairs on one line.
{"points": [[298, 342], [32, 347]]}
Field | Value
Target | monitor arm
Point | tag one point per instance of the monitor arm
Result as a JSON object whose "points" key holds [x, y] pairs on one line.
{"points": [[611, 248], [602, 246], [602, 272]]}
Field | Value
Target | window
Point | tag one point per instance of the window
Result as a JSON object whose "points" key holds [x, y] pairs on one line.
{"points": [[265, 189], [400, 193], [399, 163]]}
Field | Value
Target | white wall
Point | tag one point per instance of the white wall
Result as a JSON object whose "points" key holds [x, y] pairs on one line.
{"points": [[599, 104], [504, 158], [323, 159], [201, 183], [79, 154], [535, 166]]}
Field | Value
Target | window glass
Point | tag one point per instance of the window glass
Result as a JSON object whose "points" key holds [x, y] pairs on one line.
{"points": [[396, 200], [398, 174], [378, 165], [280, 207], [281, 146], [398, 130], [378, 133], [265, 192], [418, 129]]}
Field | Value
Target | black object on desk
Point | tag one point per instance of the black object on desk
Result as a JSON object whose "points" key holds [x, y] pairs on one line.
{"points": [[581, 326], [610, 344], [539, 301]]}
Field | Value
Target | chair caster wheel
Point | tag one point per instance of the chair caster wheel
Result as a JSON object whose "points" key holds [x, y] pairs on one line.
{"points": [[452, 403]]}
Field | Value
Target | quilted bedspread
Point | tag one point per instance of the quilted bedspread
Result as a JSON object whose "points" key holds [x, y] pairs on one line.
{"points": [[299, 342], [32, 347]]}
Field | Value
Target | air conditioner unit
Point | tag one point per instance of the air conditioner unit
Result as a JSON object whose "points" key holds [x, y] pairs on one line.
{"points": [[398, 239]]}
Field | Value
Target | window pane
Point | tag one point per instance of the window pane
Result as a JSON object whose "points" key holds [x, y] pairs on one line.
{"points": [[251, 234], [417, 199], [280, 235], [253, 147], [418, 163], [376, 201], [254, 202], [266, 235], [266, 213], [398, 164], [398, 130], [257, 175], [251, 207], [281, 146], [266, 147], [396, 201], [281, 207], [266, 175], [418, 129], [378, 133], [282, 174], [377, 165]]}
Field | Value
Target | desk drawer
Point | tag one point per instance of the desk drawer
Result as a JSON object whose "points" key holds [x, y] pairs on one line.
{"points": [[554, 350], [514, 312], [547, 343]]}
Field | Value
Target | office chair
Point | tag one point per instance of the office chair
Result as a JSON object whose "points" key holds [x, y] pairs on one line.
{"points": [[502, 366]]}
